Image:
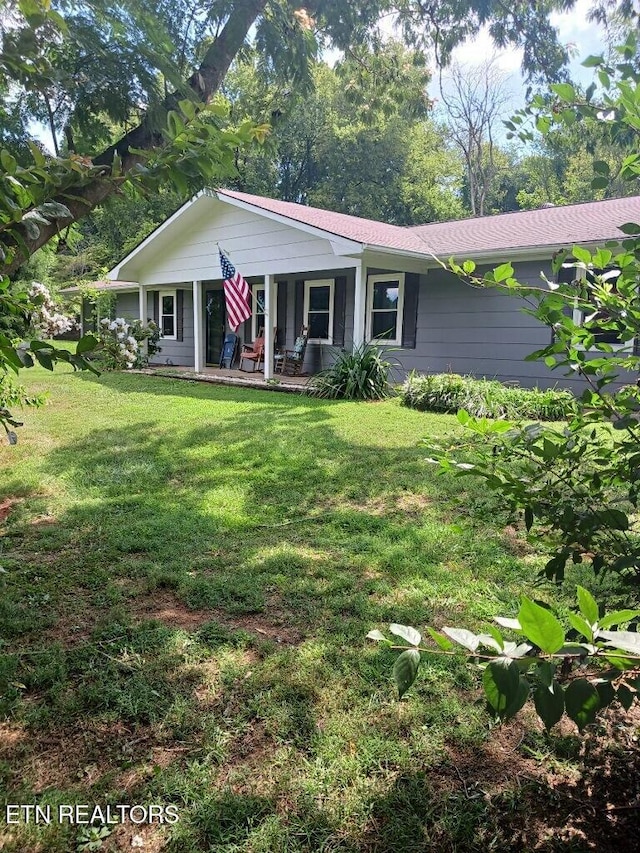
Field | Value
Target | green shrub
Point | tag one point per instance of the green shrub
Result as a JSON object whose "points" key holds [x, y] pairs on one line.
{"points": [[484, 398], [359, 375]]}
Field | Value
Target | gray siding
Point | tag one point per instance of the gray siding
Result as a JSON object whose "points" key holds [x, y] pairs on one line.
{"points": [[477, 331], [127, 306], [176, 352]]}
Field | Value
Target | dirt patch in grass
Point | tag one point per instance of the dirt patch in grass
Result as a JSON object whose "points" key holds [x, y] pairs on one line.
{"points": [[76, 622], [164, 606], [572, 791], [79, 756], [514, 541], [5, 507]]}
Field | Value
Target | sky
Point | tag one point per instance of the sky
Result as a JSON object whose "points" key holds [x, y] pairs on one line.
{"points": [[582, 36]]}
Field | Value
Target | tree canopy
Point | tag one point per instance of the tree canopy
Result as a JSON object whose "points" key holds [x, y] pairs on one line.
{"points": [[129, 92]]}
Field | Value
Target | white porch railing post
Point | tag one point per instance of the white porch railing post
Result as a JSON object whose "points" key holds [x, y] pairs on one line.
{"points": [[198, 336], [359, 307], [269, 317]]}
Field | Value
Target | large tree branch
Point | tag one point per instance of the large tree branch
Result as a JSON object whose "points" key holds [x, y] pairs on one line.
{"points": [[146, 136]]}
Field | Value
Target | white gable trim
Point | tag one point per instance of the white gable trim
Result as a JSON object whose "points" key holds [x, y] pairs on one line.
{"points": [[115, 272]]}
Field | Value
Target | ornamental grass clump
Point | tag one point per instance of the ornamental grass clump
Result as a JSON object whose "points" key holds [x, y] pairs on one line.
{"points": [[484, 398], [359, 375]]}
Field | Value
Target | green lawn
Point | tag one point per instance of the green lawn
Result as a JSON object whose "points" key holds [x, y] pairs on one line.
{"points": [[189, 574]]}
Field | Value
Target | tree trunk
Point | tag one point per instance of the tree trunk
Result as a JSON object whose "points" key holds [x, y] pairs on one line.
{"points": [[203, 83]]}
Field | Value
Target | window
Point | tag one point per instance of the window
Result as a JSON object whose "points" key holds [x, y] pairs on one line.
{"points": [[570, 273], [168, 325], [385, 299], [318, 310]]}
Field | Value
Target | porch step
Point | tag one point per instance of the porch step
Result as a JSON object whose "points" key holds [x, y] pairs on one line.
{"points": [[285, 384]]}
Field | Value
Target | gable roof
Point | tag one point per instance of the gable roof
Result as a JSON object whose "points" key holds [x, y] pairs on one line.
{"points": [[587, 222], [366, 231], [520, 232]]}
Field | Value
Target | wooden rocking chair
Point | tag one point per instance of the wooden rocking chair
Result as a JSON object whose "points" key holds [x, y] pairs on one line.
{"points": [[253, 352], [291, 361]]}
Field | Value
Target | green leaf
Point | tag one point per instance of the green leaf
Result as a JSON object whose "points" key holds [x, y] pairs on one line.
{"points": [[528, 517], [549, 703], [606, 692], [55, 210], [582, 702], [86, 344], [617, 617], [463, 637], [582, 626], [376, 635], [405, 670], [468, 267], [616, 518], [600, 183], [601, 167], [545, 672], [581, 254], [564, 91], [505, 689], [540, 626], [441, 640], [625, 696], [630, 228], [588, 605], [593, 61], [503, 272], [407, 633]]}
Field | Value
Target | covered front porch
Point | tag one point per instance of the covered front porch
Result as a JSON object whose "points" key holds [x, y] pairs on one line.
{"points": [[301, 275]]}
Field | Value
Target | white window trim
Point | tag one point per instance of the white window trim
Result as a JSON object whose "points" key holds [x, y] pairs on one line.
{"points": [[578, 317], [254, 306], [371, 281], [330, 282], [173, 293]]}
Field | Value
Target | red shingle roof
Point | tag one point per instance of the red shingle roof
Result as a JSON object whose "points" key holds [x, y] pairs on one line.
{"points": [[341, 224], [588, 222]]}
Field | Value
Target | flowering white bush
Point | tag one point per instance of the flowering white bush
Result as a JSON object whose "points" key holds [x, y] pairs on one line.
{"points": [[46, 320], [121, 349]]}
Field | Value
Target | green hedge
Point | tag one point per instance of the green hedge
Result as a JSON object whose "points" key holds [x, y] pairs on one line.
{"points": [[484, 398]]}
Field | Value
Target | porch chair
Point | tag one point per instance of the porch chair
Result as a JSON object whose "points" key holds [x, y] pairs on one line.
{"points": [[291, 361], [229, 351], [253, 352]]}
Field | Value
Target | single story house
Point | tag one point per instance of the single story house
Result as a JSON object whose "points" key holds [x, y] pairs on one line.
{"points": [[352, 280]]}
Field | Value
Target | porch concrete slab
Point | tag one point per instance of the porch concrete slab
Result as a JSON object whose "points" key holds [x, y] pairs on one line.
{"points": [[237, 378]]}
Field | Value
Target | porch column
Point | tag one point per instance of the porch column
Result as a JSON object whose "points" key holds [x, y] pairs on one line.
{"points": [[359, 307], [269, 316], [142, 311], [198, 337]]}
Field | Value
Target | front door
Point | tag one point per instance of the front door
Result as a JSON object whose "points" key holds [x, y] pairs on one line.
{"points": [[216, 318]]}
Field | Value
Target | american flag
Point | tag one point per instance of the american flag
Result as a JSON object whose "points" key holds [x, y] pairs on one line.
{"points": [[236, 293]]}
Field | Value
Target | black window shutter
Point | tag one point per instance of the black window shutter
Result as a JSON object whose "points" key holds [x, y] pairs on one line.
{"points": [[156, 307], [339, 308], [281, 335], [298, 308], [179, 315], [410, 319]]}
